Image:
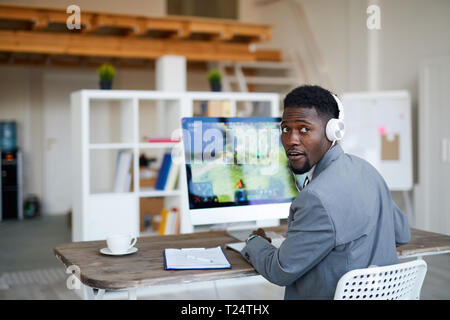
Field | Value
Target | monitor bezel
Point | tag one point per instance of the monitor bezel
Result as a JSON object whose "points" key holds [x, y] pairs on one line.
{"points": [[231, 213]]}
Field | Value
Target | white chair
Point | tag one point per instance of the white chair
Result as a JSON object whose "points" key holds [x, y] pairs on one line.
{"points": [[401, 281]]}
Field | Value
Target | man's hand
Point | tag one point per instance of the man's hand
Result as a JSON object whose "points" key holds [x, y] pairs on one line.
{"points": [[260, 232]]}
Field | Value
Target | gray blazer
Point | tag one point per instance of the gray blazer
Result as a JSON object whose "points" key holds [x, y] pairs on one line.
{"points": [[344, 219]]}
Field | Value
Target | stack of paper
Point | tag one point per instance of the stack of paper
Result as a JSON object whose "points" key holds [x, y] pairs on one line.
{"points": [[122, 180], [195, 258]]}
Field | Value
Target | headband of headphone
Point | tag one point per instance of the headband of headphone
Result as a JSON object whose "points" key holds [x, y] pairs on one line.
{"points": [[340, 106], [335, 128]]}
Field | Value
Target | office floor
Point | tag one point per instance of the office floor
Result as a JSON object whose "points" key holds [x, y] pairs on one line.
{"points": [[29, 270]]}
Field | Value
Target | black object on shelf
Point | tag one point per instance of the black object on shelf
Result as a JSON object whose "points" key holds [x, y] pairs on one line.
{"points": [[145, 162]]}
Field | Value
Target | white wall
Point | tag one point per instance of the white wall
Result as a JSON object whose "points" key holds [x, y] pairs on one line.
{"points": [[15, 104], [38, 99], [328, 21], [411, 30]]}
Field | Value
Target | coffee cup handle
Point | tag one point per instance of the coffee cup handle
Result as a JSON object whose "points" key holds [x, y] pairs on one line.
{"points": [[133, 242]]}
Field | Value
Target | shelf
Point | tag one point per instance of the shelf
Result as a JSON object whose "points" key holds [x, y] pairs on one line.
{"points": [[142, 145], [144, 192], [114, 146], [105, 122], [281, 81], [148, 234], [149, 192], [107, 194], [157, 145]]}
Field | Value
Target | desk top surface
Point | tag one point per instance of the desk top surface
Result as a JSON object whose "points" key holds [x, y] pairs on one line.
{"points": [[146, 266]]}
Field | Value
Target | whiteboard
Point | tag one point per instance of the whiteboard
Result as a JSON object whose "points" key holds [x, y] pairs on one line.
{"points": [[378, 129]]}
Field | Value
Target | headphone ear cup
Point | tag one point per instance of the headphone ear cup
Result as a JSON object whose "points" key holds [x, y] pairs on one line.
{"points": [[335, 129]]}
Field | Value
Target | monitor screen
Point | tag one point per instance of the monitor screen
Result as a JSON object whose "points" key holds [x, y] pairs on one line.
{"points": [[235, 162]]}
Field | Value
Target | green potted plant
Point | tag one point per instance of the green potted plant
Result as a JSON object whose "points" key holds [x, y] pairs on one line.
{"points": [[214, 78], [106, 72]]}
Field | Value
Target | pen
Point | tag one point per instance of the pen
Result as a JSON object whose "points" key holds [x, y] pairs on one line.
{"points": [[200, 259]]}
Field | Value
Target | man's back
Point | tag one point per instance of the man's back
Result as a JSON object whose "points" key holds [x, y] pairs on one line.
{"points": [[362, 212], [342, 220]]}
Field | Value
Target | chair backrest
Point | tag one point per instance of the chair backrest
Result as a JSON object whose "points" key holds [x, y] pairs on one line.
{"points": [[401, 281]]}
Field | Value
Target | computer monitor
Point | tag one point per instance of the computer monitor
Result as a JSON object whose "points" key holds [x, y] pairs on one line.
{"points": [[236, 170]]}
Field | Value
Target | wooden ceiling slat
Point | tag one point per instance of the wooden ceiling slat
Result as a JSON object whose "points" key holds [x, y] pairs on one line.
{"points": [[181, 25], [143, 38], [121, 47]]}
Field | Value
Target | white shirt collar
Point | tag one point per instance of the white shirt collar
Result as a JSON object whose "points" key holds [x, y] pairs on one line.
{"points": [[310, 173]]}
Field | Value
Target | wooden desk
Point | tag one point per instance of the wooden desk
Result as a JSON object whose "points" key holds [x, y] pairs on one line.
{"points": [[146, 267], [424, 243]]}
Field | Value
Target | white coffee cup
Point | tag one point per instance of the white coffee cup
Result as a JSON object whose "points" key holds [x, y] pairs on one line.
{"points": [[120, 243]]}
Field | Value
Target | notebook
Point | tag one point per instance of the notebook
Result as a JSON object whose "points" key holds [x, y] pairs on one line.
{"points": [[195, 258]]}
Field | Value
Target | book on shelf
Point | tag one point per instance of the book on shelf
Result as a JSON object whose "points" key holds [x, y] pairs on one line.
{"points": [[162, 224], [172, 177], [170, 222], [177, 217], [122, 179], [163, 172], [162, 139]]}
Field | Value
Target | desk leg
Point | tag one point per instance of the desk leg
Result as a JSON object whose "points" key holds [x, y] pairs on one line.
{"points": [[216, 290], [100, 294], [409, 208], [132, 294], [92, 296]]}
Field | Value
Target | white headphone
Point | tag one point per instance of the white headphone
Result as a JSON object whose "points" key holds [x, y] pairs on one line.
{"points": [[335, 128]]}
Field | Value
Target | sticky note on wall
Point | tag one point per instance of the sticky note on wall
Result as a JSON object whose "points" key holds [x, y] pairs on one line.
{"points": [[390, 147]]}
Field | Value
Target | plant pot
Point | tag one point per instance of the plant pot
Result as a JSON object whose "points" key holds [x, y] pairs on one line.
{"points": [[215, 86], [105, 84]]}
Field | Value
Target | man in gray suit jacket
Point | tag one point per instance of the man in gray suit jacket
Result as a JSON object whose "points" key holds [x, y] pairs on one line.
{"points": [[342, 219]]}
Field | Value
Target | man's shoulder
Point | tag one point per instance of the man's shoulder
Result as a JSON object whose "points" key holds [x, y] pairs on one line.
{"points": [[342, 179], [349, 189], [348, 168]]}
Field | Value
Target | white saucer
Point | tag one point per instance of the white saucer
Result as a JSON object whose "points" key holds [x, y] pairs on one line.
{"points": [[108, 252]]}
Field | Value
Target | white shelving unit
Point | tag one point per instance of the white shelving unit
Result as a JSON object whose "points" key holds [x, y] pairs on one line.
{"points": [[105, 122]]}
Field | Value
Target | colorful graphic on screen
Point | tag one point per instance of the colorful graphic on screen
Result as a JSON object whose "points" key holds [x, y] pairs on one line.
{"points": [[235, 161]]}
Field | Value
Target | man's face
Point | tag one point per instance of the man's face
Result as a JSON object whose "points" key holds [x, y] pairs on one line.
{"points": [[303, 138]]}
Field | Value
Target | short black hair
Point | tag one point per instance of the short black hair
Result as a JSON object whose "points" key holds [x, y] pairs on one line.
{"points": [[311, 96]]}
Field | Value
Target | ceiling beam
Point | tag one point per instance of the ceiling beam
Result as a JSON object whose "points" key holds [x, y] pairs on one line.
{"points": [[121, 47], [126, 37], [181, 27]]}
